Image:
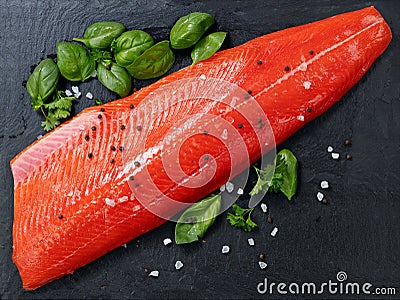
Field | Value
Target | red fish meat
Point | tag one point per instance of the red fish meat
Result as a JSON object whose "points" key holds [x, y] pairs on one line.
{"points": [[73, 201]]}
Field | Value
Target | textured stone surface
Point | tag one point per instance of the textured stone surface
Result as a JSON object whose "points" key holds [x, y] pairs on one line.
{"points": [[357, 232]]}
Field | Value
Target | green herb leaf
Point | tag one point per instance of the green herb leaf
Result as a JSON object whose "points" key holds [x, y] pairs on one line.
{"points": [[99, 55], [241, 218], [130, 45], [98, 101], [74, 61], [263, 180], [188, 30], [207, 46], [154, 62], [195, 220], [50, 123], [58, 109], [101, 34], [285, 176], [114, 78], [43, 82]]}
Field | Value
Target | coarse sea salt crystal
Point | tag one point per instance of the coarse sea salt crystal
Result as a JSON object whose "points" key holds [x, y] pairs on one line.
{"points": [[274, 231], [222, 188], [250, 241], [262, 265], [167, 241], [330, 149], [320, 196], [229, 187], [324, 184], [75, 89], [203, 77], [307, 85], [240, 191], [89, 95], [335, 155], [224, 134], [68, 93], [264, 207], [154, 274], [300, 118], [77, 95], [303, 67], [178, 265], [110, 202], [39, 137], [225, 249]]}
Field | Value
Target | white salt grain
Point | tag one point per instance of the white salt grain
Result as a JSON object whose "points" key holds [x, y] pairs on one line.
{"points": [[154, 274], [89, 95], [300, 118], [75, 89], [264, 207], [68, 93], [224, 134], [229, 187], [250, 241], [225, 249], [222, 188], [307, 85], [320, 196], [178, 265], [203, 77], [262, 265], [240, 191], [335, 155], [324, 184], [77, 95], [167, 241], [274, 231], [330, 149]]}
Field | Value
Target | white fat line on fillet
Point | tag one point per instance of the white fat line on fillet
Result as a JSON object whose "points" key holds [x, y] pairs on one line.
{"points": [[316, 57]]}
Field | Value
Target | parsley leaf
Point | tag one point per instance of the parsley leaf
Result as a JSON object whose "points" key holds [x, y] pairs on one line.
{"points": [[284, 178], [58, 109], [241, 218]]}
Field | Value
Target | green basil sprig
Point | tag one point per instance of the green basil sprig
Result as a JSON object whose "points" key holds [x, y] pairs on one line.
{"points": [[188, 30], [101, 34], [195, 220], [154, 62], [43, 82], [130, 45], [114, 77], [207, 46], [74, 61]]}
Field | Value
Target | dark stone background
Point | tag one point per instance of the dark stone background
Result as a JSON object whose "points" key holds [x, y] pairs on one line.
{"points": [[357, 232]]}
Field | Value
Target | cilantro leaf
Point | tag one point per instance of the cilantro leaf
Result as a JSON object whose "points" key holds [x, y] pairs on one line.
{"points": [[239, 219], [58, 109]]}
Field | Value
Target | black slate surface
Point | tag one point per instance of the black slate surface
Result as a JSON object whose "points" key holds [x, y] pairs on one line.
{"points": [[358, 232]]}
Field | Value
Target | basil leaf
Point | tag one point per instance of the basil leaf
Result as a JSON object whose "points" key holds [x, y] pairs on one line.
{"points": [[101, 34], [154, 62], [207, 46], [188, 30], [130, 45], [74, 61], [195, 220], [114, 78], [285, 176], [43, 82]]}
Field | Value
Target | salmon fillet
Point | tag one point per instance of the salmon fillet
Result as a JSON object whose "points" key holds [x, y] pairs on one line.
{"points": [[77, 189]]}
